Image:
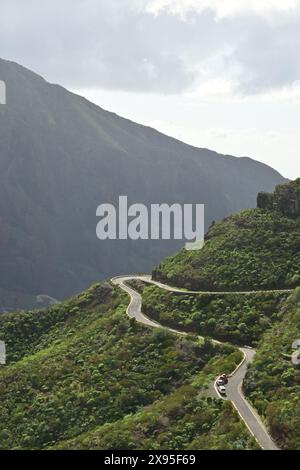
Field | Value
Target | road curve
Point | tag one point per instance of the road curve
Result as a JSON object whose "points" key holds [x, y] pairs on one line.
{"points": [[234, 387], [148, 278]]}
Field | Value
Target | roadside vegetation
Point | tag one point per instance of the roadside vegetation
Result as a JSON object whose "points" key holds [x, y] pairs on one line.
{"points": [[183, 420], [273, 381], [236, 318], [256, 249], [84, 365]]}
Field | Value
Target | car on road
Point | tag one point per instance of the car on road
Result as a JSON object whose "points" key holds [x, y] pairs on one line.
{"points": [[220, 381], [224, 378], [222, 390]]}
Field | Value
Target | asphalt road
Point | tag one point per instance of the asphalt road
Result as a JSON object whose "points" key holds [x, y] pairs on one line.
{"points": [[147, 278], [245, 410], [234, 386]]}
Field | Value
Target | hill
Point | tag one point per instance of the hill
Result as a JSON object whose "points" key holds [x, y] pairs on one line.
{"points": [[256, 249], [61, 156], [82, 375]]}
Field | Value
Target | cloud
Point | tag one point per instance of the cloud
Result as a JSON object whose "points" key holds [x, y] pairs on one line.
{"points": [[223, 8], [157, 46], [268, 55], [95, 44]]}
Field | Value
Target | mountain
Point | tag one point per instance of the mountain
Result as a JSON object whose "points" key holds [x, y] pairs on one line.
{"points": [[83, 375], [61, 156], [252, 250]]}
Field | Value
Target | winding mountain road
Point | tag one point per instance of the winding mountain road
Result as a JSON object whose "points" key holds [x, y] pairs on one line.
{"points": [[234, 387]]}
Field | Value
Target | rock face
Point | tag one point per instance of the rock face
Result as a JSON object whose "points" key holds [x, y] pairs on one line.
{"points": [[285, 199]]}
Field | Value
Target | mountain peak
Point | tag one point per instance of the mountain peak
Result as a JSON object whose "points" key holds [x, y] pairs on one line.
{"points": [[61, 156]]}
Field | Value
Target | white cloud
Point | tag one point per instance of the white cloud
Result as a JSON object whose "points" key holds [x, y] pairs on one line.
{"points": [[210, 48], [223, 8]]}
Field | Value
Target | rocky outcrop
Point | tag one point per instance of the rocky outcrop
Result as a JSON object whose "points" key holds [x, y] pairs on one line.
{"points": [[285, 199]]}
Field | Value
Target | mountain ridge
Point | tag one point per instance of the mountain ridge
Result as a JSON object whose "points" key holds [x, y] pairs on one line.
{"points": [[131, 121], [61, 156]]}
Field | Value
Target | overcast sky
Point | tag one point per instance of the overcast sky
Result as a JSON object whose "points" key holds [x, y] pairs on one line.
{"points": [[222, 74]]}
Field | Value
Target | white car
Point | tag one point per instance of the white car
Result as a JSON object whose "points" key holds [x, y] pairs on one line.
{"points": [[222, 389], [220, 381]]}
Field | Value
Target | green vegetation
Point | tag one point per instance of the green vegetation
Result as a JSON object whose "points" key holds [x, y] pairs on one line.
{"points": [[256, 249], [84, 365], [182, 420], [285, 199], [82, 375], [236, 318], [273, 382], [187, 418]]}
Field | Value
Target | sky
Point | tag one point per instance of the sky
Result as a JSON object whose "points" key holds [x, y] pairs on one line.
{"points": [[220, 74]]}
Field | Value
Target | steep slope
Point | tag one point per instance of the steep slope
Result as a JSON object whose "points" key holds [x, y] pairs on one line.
{"points": [[253, 250], [181, 421], [237, 318], [84, 375], [61, 156], [273, 381]]}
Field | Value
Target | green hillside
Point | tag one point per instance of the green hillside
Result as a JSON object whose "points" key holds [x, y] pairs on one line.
{"points": [[273, 382], [182, 420], [83, 368], [236, 318], [255, 249]]}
